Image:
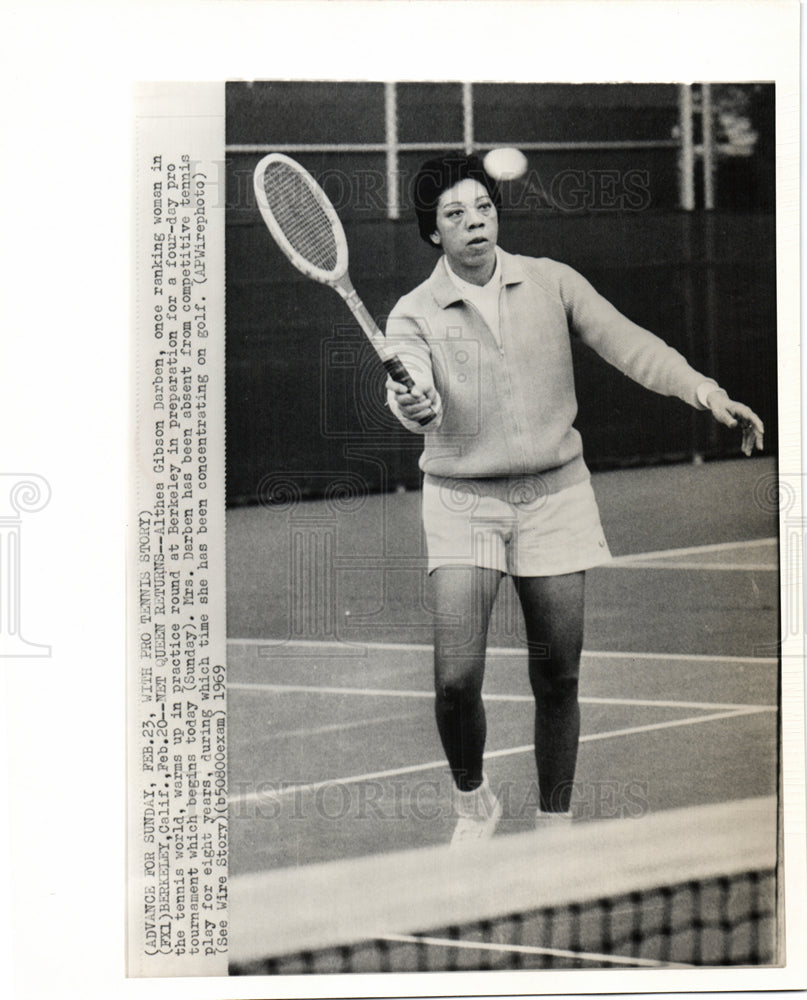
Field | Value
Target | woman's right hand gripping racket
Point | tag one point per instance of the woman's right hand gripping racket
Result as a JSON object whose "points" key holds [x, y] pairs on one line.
{"points": [[307, 229]]}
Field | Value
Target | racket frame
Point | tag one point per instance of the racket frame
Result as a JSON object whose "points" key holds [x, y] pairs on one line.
{"points": [[310, 270], [336, 278]]}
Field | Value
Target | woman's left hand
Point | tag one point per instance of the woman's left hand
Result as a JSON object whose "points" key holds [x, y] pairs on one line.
{"points": [[730, 413]]}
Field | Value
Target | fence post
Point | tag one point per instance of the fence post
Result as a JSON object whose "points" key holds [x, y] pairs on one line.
{"points": [[686, 158], [391, 138]]}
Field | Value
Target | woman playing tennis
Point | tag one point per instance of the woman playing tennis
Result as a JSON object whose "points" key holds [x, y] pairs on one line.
{"points": [[506, 490]]}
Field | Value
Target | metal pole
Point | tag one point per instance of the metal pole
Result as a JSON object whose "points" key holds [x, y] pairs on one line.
{"points": [[711, 296], [468, 117], [708, 146], [686, 185], [250, 148], [391, 136], [711, 318], [686, 160]]}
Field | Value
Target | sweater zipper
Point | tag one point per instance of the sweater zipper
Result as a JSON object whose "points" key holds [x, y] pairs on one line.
{"points": [[500, 346], [472, 307], [519, 436]]}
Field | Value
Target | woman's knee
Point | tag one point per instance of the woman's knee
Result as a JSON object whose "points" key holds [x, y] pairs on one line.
{"points": [[556, 686], [457, 688]]}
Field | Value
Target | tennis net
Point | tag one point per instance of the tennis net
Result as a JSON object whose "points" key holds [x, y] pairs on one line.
{"points": [[692, 887]]}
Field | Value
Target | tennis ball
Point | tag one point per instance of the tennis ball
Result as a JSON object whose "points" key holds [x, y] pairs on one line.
{"points": [[505, 164]]}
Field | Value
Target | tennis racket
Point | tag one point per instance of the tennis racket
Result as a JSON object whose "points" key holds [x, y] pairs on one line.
{"points": [[307, 229]]}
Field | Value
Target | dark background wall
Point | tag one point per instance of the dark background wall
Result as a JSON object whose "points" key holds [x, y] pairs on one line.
{"points": [[304, 390]]}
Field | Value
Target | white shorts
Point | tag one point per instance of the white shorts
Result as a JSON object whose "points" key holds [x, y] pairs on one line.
{"points": [[512, 525]]}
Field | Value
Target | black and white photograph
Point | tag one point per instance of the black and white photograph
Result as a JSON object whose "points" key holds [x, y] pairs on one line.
{"points": [[401, 536], [502, 541], [465, 533]]}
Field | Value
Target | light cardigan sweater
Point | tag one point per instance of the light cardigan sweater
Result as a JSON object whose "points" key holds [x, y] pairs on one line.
{"points": [[508, 409]]}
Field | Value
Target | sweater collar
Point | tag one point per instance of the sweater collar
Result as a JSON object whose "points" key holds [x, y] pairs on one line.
{"points": [[446, 293]]}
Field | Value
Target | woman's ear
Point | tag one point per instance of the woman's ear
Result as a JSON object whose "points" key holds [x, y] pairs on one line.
{"points": [[435, 238]]}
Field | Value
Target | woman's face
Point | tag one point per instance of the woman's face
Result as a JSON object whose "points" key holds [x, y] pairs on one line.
{"points": [[467, 229]]}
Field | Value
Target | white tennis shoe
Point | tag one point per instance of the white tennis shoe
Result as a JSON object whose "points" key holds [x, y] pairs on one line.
{"points": [[478, 814]]}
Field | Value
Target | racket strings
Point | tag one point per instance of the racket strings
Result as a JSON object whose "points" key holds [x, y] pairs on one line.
{"points": [[300, 216]]}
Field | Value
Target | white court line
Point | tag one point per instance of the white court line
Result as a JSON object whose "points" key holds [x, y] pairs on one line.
{"points": [[366, 692], [395, 693], [703, 705], [274, 794], [673, 724], [711, 567], [421, 647], [691, 550], [527, 949], [335, 727]]}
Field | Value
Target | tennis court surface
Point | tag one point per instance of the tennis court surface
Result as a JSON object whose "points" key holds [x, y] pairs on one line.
{"points": [[335, 761]]}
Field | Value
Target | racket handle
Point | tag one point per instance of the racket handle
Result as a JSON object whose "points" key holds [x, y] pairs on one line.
{"points": [[398, 373], [395, 368]]}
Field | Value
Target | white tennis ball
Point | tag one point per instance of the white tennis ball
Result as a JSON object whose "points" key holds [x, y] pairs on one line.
{"points": [[505, 164]]}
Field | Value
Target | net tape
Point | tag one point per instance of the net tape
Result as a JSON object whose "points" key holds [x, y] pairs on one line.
{"points": [[693, 887]]}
